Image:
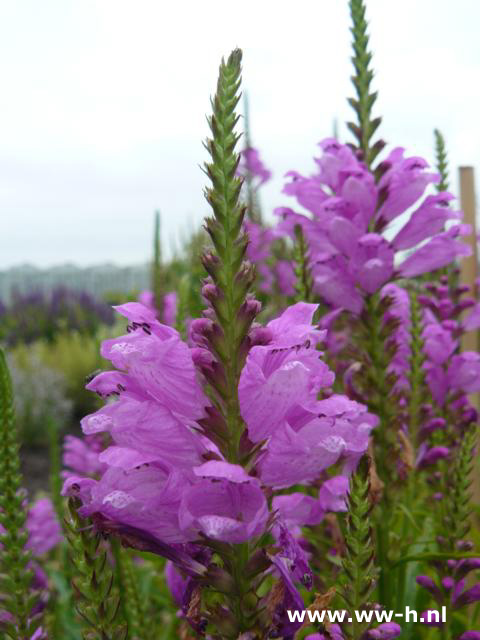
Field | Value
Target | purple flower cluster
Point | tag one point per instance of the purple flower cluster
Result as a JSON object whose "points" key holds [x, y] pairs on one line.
{"points": [[352, 219], [40, 314], [153, 424], [163, 477], [448, 371]]}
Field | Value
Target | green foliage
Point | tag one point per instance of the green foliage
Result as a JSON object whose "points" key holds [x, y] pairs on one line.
{"points": [[97, 602], [365, 126], [75, 357], [40, 395], [15, 575]]}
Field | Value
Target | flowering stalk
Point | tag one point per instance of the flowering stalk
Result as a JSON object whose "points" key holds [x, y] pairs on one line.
{"points": [[365, 127], [441, 161], [230, 276], [358, 563], [93, 581], [304, 281], [457, 507], [157, 265], [16, 598]]}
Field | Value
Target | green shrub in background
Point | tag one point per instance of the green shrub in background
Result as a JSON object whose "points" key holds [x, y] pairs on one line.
{"points": [[40, 396]]}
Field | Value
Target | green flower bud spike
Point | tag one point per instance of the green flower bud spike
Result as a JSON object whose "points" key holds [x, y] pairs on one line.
{"points": [[458, 503], [16, 598], [97, 603], [362, 104], [304, 283], [441, 161], [231, 277], [358, 564]]}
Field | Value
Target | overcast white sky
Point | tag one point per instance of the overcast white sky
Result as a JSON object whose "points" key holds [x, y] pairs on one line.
{"points": [[103, 104]]}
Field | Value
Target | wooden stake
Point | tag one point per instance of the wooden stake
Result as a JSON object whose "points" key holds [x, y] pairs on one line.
{"points": [[469, 266]]}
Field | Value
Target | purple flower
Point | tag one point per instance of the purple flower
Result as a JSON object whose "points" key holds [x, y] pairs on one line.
{"points": [[285, 374], [472, 321], [44, 531], [291, 561], [464, 372], [385, 631], [427, 583], [297, 509], [169, 305], [464, 567], [148, 428], [251, 163], [81, 456], [335, 284], [405, 182], [335, 633], [146, 497], [372, 262], [438, 343], [178, 584], [232, 510], [299, 456], [437, 252], [157, 361], [426, 221], [333, 493], [147, 298], [466, 597], [429, 456]]}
